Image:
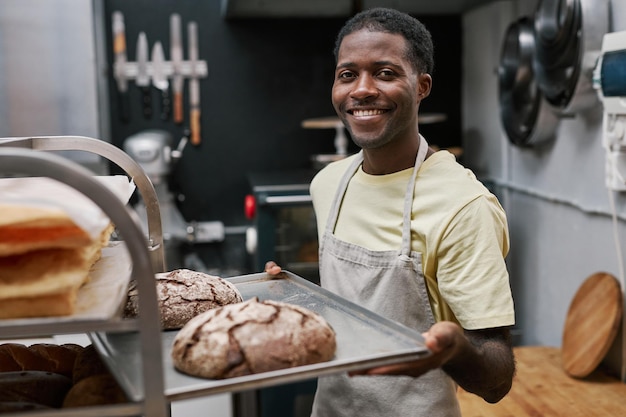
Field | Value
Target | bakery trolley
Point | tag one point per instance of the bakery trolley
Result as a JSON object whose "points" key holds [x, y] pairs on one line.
{"points": [[20, 156], [133, 348]]}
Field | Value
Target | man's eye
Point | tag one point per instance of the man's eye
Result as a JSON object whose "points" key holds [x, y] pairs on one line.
{"points": [[386, 73], [346, 75]]}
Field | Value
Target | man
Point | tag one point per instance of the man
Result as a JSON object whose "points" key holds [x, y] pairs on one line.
{"points": [[409, 233]]}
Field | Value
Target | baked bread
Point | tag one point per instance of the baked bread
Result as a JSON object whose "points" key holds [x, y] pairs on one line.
{"points": [[251, 337], [38, 387], [41, 283], [45, 257], [183, 294], [46, 357], [88, 363], [95, 390], [20, 406], [26, 228]]}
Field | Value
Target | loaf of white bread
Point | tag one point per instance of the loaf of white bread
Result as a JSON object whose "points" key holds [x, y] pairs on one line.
{"points": [[50, 237]]}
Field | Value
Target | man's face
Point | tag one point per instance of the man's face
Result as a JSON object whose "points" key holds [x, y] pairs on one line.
{"points": [[376, 92]]}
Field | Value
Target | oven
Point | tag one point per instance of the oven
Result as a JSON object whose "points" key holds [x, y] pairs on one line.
{"points": [[284, 230]]}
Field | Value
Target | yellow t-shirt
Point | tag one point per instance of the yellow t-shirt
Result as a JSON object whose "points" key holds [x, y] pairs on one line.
{"points": [[457, 225]]}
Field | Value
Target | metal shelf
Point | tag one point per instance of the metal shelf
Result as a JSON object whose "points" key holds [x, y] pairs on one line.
{"points": [[16, 158]]}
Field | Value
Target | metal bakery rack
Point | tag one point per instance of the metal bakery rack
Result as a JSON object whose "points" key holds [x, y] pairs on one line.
{"points": [[143, 368]]}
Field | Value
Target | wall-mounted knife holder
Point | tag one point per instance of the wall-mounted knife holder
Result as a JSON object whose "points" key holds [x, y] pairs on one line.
{"points": [[188, 70], [160, 73]]}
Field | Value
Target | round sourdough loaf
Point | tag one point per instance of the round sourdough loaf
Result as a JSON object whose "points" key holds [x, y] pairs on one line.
{"points": [[251, 337], [183, 294]]}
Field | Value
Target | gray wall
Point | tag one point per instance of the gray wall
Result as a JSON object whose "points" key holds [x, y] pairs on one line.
{"points": [[559, 210], [48, 71]]}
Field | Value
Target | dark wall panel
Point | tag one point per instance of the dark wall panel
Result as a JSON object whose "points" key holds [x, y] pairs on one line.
{"points": [[265, 77]]}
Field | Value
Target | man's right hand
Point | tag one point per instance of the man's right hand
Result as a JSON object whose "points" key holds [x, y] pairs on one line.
{"points": [[272, 269]]}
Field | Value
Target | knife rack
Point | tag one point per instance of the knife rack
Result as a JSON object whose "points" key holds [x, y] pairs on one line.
{"points": [[188, 69]]}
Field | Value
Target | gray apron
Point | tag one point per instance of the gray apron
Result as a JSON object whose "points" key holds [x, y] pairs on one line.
{"points": [[390, 283]]}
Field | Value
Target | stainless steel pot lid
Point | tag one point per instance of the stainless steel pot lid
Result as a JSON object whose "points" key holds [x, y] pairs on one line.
{"points": [[557, 44], [568, 37], [526, 117]]}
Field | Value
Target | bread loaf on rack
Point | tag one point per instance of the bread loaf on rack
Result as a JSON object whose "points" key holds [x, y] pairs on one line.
{"points": [[50, 236], [35, 387], [44, 259], [26, 228], [95, 390], [183, 294], [47, 357], [251, 337]]}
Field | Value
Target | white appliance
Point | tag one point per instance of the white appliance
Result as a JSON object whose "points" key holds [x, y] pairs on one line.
{"points": [[610, 82]]}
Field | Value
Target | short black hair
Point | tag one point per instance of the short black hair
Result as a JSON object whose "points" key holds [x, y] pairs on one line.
{"points": [[420, 49]]}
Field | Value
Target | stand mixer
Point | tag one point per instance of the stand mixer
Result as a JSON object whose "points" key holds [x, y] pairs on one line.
{"points": [[152, 150]]}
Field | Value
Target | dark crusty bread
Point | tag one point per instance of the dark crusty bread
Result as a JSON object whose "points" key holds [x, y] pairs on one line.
{"points": [[251, 337], [88, 363], [46, 357], [95, 390], [7, 406], [38, 387], [183, 294]]}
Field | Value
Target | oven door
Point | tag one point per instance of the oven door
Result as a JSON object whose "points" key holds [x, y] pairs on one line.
{"points": [[284, 223]]}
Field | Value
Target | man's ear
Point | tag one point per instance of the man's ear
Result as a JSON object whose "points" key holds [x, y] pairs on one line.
{"points": [[424, 84]]}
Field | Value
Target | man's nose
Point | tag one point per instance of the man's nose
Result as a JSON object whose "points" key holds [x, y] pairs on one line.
{"points": [[365, 87]]}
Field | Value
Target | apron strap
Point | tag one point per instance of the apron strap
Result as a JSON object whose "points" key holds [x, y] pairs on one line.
{"points": [[408, 197], [333, 214]]}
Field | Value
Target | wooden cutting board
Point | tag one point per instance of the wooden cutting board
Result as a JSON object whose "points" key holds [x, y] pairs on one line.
{"points": [[592, 322]]}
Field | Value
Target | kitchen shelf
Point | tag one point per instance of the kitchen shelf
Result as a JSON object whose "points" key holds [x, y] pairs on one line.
{"points": [[17, 159]]}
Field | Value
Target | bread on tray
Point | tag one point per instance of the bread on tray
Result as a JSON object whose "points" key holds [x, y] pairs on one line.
{"points": [[252, 337], [183, 294]]}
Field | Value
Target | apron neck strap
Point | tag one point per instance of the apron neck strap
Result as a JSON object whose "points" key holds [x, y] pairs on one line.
{"points": [[333, 214], [408, 197]]}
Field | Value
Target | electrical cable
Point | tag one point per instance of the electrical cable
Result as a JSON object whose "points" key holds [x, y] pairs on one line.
{"points": [[620, 262]]}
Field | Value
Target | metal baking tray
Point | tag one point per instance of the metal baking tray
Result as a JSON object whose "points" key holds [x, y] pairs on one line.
{"points": [[364, 340]]}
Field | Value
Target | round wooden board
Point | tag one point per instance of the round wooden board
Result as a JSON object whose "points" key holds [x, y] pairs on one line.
{"points": [[591, 325]]}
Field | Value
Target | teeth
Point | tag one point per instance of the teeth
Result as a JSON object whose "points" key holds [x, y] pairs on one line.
{"points": [[367, 112]]}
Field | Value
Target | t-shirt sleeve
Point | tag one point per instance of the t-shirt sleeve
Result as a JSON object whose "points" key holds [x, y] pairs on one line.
{"points": [[471, 273]]}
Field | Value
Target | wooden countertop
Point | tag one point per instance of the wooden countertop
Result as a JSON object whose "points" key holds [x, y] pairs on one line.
{"points": [[541, 388]]}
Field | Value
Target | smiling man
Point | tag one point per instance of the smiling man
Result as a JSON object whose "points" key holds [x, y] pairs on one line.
{"points": [[409, 233]]}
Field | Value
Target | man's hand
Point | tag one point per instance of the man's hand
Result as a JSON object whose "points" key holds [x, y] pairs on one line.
{"points": [[480, 361], [442, 339], [272, 269]]}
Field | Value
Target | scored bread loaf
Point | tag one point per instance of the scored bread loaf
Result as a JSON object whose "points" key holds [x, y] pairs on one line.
{"points": [[251, 337], [183, 294]]}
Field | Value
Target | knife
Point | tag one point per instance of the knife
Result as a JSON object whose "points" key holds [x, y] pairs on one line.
{"points": [[176, 53], [143, 79], [159, 79], [194, 85], [119, 67]]}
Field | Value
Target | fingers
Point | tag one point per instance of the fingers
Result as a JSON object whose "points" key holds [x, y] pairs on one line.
{"points": [[441, 336], [272, 269]]}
